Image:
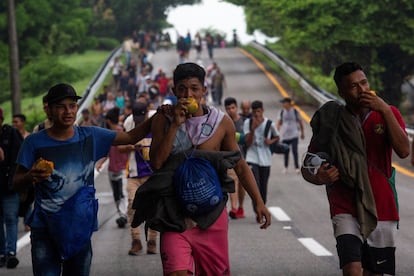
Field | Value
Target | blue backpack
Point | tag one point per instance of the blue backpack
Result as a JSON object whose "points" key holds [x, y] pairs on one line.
{"points": [[72, 226], [197, 186]]}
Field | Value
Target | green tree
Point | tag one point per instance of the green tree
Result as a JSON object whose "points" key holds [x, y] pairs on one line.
{"points": [[146, 15], [50, 28], [324, 33]]}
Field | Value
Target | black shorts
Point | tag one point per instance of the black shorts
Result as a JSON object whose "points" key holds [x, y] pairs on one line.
{"points": [[376, 260]]}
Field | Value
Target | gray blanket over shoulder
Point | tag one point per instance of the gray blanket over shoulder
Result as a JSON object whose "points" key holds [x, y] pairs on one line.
{"points": [[155, 201], [337, 132]]}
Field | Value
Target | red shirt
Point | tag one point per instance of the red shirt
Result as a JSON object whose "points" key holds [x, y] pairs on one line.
{"points": [[379, 150], [117, 159], [163, 85]]}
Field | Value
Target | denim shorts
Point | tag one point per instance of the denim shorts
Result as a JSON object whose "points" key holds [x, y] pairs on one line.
{"points": [[46, 258]]}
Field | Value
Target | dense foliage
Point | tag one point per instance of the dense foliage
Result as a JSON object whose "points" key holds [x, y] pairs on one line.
{"points": [[49, 28], [324, 33]]}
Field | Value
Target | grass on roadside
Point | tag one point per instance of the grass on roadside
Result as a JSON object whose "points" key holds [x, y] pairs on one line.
{"points": [[87, 63]]}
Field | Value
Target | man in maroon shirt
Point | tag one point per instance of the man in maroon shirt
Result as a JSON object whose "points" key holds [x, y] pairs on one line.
{"points": [[355, 143]]}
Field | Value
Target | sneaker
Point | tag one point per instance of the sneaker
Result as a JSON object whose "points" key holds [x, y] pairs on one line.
{"points": [[297, 171], [151, 247], [136, 248], [121, 221], [233, 213], [2, 260], [284, 171], [240, 213], [11, 260]]}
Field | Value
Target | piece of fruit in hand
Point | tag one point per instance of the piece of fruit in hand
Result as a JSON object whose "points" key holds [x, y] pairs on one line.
{"points": [[192, 105], [46, 165]]}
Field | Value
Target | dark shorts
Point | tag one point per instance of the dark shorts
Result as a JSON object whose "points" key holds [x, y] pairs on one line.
{"points": [[376, 260], [376, 254]]}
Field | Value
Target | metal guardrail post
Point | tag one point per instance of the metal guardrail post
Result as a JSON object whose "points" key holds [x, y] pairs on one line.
{"points": [[90, 91]]}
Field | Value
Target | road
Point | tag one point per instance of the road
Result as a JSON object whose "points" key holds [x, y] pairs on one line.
{"points": [[299, 241]]}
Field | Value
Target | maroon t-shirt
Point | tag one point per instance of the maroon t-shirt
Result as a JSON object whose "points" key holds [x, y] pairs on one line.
{"points": [[379, 150]]}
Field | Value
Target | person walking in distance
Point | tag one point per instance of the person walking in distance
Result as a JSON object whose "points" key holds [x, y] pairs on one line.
{"points": [[116, 169], [236, 198], [258, 155], [138, 171], [116, 67], [47, 123], [350, 153], [245, 110], [198, 45], [26, 198], [59, 163], [210, 45], [10, 142], [202, 249], [217, 85], [289, 125], [19, 121]]}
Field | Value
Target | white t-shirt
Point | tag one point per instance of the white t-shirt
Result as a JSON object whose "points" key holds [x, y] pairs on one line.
{"points": [[258, 152], [289, 128]]}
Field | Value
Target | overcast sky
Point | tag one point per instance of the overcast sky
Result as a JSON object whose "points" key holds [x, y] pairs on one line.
{"points": [[220, 15]]}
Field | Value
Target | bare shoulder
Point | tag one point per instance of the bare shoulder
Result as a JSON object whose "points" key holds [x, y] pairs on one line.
{"points": [[219, 140], [227, 126], [227, 122], [229, 133]]}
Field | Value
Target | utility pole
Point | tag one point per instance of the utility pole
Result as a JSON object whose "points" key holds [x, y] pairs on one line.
{"points": [[14, 59]]}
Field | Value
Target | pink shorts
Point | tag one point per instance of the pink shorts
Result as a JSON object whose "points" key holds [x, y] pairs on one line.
{"points": [[204, 251]]}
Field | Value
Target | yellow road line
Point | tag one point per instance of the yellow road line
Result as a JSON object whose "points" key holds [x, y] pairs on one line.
{"points": [[276, 83], [403, 170], [304, 115]]}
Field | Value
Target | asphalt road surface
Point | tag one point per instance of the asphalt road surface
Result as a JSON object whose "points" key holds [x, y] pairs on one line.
{"points": [[299, 241]]}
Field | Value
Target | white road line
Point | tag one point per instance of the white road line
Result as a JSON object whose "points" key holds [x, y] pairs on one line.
{"points": [[314, 247], [279, 214], [104, 194]]}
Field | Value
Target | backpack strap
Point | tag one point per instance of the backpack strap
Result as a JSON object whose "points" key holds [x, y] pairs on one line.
{"points": [[267, 128], [296, 115]]}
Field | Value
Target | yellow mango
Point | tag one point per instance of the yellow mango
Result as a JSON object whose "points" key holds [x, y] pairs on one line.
{"points": [[192, 105]]}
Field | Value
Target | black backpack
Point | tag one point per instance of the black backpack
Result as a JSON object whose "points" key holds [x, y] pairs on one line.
{"points": [[277, 147], [10, 142]]}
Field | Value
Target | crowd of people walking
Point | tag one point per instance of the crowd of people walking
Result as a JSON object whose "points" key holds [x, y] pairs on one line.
{"points": [[140, 120]]}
